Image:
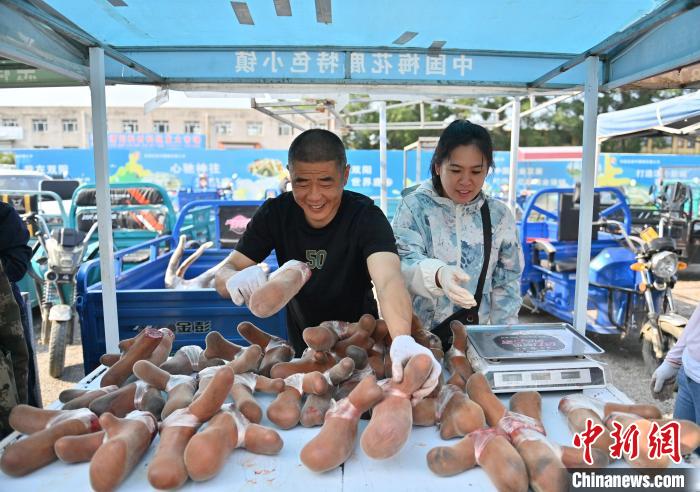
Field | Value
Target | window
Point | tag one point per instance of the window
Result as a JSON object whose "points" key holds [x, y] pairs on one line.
{"points": [[9, 122], [41, 146], [130, 126], [691, 143], [283, 129], [161, 126], [40, 125], [254, 128], [223, 127], [192, 127], [70, 126]]}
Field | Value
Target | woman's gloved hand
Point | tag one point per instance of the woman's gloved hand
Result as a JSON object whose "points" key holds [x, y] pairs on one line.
{"points": [[402, 349], [451, 279], [242, 285], [666, 372]]}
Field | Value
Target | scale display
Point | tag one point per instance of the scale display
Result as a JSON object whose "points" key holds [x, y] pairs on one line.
{"points": [[539, 356], [554, 378], [530, 341]]}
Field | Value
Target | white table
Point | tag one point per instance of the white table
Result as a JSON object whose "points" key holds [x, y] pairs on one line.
{"points": [[406, 471]]}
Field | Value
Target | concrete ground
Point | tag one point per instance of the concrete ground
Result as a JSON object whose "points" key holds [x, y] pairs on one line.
{"points": [[624, 366]]}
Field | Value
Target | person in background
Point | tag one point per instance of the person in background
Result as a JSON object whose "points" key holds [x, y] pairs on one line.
{"points": [[15, 256], [460, 254], [345, 240], [682, 363], [203, 182], [13, 355]]}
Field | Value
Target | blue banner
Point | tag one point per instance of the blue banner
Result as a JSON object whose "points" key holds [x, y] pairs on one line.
{"points": [[254, 174], [349, 65]]}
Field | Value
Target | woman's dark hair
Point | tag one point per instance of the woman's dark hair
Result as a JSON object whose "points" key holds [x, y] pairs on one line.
{"points": [[459, 132]]}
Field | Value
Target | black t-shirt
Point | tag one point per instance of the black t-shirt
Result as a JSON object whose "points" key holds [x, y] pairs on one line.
{"points": [[340, 286]]}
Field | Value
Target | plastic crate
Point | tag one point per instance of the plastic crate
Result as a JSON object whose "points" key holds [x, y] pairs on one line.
{"points": [[142, 300]]}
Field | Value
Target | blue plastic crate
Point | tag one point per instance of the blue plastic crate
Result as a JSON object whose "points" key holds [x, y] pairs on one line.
{"points": [[143, 300]]}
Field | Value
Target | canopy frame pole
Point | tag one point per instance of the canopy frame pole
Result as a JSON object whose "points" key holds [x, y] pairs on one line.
{"points": [[404, 175], [383, 204], [514, 143], [419, 151], [104, 208], [588, 172]]}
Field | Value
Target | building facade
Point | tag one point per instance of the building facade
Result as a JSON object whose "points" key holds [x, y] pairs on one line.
{"points": [[688, 144], [71, 127]]}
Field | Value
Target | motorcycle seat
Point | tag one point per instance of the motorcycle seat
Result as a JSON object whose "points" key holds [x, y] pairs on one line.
{"points": [[550, 262]]}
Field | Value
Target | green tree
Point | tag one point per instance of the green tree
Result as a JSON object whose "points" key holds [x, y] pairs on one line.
{"points": [[557, 125]]}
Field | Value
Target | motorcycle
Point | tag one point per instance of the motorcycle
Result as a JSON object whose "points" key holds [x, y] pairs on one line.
{"points": [[672, 215], [630, 278], [63, 251]]}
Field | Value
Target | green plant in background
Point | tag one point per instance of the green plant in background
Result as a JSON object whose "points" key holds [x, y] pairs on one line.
{"points": [[557, 125], [7, 159]]}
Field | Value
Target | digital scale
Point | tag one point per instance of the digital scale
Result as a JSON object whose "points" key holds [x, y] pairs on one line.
{"points": [[538, 356]]}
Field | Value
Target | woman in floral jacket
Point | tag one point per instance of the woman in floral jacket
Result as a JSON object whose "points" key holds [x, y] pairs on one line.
{"points": [[440, 236]]}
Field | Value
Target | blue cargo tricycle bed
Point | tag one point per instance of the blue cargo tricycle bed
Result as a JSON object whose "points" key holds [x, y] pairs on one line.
{"points": [[143, 300]]}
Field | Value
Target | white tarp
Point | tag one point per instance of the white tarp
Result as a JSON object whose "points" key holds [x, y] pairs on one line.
{"points": [[680, 115]]}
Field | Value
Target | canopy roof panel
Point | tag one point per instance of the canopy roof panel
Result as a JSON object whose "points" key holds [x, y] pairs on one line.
{"points": [[559, 26], [450, 47]]}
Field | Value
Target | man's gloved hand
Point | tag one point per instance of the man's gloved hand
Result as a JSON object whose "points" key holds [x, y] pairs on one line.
{"points": [[295, 265], [242, 285], [403, 348], [451, 278], [666, 372]]}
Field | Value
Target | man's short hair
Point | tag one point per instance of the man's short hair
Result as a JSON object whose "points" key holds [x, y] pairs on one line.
{"points": [[317, 145]]}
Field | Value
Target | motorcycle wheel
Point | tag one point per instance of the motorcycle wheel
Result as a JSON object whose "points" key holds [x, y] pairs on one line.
{"points": [[57, 347], [651, 362]]}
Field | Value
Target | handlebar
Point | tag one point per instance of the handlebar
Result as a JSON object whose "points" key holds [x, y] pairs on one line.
{"points": [[621, 228], [39, 220]]}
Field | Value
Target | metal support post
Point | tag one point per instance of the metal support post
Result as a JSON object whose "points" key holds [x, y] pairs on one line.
{"points": [[104, 208], [382, 156], [588, 172], [514, 142]]}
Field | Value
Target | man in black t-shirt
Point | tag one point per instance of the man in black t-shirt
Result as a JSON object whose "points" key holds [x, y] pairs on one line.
{"points": [[345, 240]]}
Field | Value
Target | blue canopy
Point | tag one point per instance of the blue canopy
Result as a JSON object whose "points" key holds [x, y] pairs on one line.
{"points": [[379, 47], [680, 115], [448, 47]]}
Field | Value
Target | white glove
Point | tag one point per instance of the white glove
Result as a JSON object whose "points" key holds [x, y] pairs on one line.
{"points": [[242, 285], [450, 278], [403, 348], [665, 372], [295, 265]]}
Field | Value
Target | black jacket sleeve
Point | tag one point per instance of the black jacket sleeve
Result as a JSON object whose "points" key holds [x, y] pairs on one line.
{"points": [[15, 254]]}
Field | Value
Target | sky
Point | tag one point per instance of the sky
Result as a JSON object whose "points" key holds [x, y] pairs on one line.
{"points": [[117, 96]]}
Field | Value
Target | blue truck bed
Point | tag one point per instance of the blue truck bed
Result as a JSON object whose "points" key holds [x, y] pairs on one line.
{"points": [[143, 300]]}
